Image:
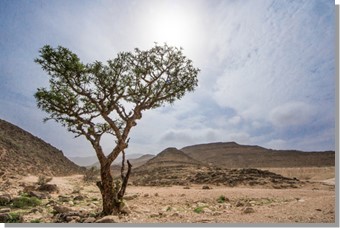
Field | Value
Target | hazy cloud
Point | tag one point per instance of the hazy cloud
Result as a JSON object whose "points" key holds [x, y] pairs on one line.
{"points": [[267, 67]]}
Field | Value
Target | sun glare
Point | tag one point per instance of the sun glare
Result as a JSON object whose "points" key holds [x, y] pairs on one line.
{"points": [[172, 25]]}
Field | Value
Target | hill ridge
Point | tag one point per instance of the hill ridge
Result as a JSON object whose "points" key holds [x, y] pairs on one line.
{"points": [[23, 153]]}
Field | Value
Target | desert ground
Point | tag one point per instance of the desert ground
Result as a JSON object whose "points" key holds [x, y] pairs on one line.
{"points": [[78, 201]]}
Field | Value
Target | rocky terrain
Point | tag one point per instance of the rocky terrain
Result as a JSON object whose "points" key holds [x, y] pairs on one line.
{"points": [[207, 183], [22, 153], [71, 200]]}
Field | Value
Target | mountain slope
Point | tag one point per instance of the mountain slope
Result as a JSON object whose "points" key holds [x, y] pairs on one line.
{"points": [[233, 155], [23, 153], [172, 156]]}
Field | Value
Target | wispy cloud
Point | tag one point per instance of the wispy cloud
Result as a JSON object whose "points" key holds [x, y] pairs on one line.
{"points": [[267, 67]]}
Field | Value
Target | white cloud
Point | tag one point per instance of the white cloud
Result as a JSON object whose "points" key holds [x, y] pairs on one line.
{"points": [[265, 65], [292, 114]]}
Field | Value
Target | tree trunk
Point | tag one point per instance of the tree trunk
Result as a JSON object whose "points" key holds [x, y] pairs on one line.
{"points": [[111, 204]]}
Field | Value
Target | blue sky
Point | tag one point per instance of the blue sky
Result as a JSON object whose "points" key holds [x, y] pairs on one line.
{"points": [[267, 68]]}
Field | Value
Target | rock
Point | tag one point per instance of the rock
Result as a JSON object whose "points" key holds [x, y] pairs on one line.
{"points": [[63, 198], [4, 217], [130, 197], [89, 220], [39, 195], [239, 204], [216, 213], [5, 199], [79, 198], [35, 210], [146, 195], [207, 210], [48, 188], [4, 210], [186, 187], [108, 219], [248, 210], [205, 187], [72, 218], [29, 188], [124, 208], [201, 204], [62, 209]]}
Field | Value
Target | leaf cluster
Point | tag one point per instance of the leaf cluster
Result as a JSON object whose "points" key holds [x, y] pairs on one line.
{"points": [[96, 98]]}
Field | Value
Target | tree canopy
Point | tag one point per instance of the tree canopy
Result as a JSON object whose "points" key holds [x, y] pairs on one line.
{"points": [[97, 98]]}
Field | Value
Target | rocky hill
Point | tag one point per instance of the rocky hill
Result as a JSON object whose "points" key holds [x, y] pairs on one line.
{"points": [[22, 153], [233, 155], [228, 163], [170, 157]]}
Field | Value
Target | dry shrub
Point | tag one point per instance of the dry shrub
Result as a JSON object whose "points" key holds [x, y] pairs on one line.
{"points": [[91, 175], [42, 180]]}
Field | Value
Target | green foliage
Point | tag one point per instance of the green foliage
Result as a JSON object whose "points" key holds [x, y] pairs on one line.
{"points": [[198, 210], [79, 93], [24, 202], [14, 217], [35, 221], [221, 199], [43, 180]]}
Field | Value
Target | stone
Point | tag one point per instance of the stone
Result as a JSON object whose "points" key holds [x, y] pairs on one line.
{"points": [[248, 210], [89, 220], [4, 210], [124, 208], [239, 204], [71, 218], [206, 187], [79, 198], [5, 199], [4, 217], [207, 210], [63, 198], [61, 209], [108, 219], [131, 197], [48, 188], [39, 195], [29, 188], [176, 214]]}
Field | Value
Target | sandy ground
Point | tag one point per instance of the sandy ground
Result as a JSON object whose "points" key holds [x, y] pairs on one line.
{"points": [[313, 203]]}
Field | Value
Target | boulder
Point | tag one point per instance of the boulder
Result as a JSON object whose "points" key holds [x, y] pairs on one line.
{"points": [[39, 195], [5, 199], [206, 187], [108, 219], [4, 217], [89, 220], [5, 210], [62, 209], [48, 188], [248, 210]]}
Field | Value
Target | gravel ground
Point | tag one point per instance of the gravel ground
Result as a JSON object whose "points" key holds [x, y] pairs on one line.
{"points": [[312, 203]]}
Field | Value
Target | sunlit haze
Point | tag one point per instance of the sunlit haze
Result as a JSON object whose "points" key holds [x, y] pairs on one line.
{"points": [[267, 68]]}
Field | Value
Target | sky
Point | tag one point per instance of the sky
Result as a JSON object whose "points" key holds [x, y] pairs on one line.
{"points": [[267, 75]]}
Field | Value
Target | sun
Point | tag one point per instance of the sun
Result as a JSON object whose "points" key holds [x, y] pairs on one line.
{"points": [[173, 25]]}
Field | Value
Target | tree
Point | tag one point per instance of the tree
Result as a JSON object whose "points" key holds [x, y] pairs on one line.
{"points": [[95, 99]]}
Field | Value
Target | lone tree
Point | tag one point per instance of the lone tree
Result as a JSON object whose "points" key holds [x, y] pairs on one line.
{"points": [[95, 99]]}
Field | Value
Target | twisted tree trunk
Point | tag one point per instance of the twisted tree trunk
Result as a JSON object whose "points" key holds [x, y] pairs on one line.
{"points": [[112, 193]]}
